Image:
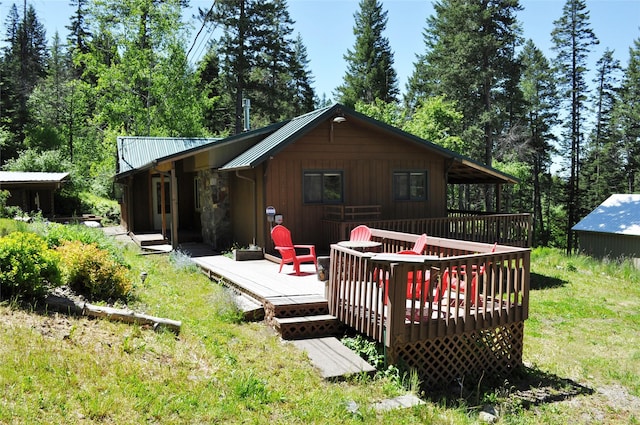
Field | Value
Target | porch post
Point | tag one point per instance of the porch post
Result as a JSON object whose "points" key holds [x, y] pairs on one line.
{"points": [[163, 212], [174, 207], [498, 197]]}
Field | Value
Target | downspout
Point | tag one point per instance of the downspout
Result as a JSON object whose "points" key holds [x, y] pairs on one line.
{"points": [[253, 192]]}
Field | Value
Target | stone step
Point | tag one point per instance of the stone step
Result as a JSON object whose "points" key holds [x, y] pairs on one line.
{"points": [[332, 358], [321, 325]]}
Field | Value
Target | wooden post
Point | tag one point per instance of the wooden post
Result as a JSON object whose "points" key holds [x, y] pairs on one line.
{"points": [[174, 207]]}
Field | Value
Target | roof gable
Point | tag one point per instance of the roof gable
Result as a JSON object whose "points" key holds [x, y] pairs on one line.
{"points": [[619, 214], [461, 169]]}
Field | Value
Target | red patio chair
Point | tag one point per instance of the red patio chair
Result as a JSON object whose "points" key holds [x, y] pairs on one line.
{"points": [[454, 279], [360, 233], [282, 240], [420, 282], [418, 247]]}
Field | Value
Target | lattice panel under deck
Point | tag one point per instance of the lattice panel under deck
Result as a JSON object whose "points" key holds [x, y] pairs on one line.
{"points": [[441, 361], [293, 310], [302, 330]]}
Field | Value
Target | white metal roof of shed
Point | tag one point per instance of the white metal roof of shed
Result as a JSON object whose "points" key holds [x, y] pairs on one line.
{"points": [[31, 177], [619, 214]]}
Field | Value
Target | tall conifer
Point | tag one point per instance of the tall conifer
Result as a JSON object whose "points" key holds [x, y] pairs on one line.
{"points": [[573, 37], [370, 74]]}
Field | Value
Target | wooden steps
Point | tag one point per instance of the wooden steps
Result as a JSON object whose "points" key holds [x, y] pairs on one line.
{"points": [[301, 316]]}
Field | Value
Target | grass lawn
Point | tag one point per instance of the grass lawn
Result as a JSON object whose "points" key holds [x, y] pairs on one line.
{"points": [[582, 349]]}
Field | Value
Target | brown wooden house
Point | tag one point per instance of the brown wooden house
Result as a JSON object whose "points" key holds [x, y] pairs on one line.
{"points": [[330, 161]]}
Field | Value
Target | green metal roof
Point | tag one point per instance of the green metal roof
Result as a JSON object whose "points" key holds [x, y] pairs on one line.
{"points": [[138, 153], [272, 144]]}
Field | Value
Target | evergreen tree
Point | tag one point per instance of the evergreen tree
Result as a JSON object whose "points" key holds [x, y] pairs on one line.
{"points": [[79, 36], [370, 74], [302, 80], [539, 92], [260, 61], [627, 118], [24, 64], [572, 38], [601, 172], [470, 60], [217, 116]]}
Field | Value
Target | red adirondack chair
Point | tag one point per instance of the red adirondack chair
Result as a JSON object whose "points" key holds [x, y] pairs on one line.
{"points": [[418, 246], [282, 240], [455, 279], [360, 233]]}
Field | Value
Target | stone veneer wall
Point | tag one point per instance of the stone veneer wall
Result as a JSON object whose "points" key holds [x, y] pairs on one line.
{"points": [[215, 215]]}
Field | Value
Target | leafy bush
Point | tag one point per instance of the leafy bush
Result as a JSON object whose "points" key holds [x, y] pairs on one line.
{"points": [[56, 234], [5, 210], [9, 225], [28, 267], [92, 272]]}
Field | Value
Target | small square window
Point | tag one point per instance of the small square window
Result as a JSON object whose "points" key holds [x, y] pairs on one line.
{"points": [[323, 187], [410, 185]]}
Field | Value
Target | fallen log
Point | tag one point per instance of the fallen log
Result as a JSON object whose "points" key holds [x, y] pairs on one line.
{"points": [[67, 305]]}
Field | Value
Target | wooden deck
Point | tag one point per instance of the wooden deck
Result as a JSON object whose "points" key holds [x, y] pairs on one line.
{"points": [[257, 278]]}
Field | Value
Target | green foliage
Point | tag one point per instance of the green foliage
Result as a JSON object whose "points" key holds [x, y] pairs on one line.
{"points": [[57, 234], [366, 349], [92, 272], [50, 161], [8, 225], [437, 120], [7, 211], [28, 267], [370, 74]]}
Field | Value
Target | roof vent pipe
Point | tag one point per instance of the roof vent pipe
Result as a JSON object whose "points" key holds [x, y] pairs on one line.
{"points": [[246, 105]]}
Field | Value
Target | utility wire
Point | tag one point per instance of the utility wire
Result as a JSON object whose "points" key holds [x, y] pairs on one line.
{"points": [[204, 23]]}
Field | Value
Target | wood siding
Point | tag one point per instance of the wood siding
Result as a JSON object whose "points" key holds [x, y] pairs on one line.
{"points": [[368, 159], [607, 245]]}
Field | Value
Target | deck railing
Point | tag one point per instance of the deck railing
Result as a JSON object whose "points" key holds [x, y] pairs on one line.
{"points": [[457, 289], [505, 229]]}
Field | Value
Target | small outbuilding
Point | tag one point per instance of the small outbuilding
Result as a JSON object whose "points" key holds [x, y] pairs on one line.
{"points": [[612, 230], [32, 191]]}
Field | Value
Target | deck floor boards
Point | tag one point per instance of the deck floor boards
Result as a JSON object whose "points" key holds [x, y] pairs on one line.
{"points": [[259, 278]]}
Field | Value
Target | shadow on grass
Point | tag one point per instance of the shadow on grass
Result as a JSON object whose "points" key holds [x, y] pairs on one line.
{"points": [[539, 281], [525, 388]]}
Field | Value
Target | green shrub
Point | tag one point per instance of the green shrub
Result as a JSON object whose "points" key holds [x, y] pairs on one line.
{"points": [[28, 267], [9, 225], [56, 234], [92, 272], [5, 210]]}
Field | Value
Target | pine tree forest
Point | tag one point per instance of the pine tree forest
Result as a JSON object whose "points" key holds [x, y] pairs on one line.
{"points": [[477, 87]]}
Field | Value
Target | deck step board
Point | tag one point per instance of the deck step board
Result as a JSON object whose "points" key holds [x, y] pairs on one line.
{"points": [[332, 358], [302, 327], [302, 305]]}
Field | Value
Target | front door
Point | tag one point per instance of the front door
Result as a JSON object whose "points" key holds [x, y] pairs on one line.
{"points": [[161, 196]]}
